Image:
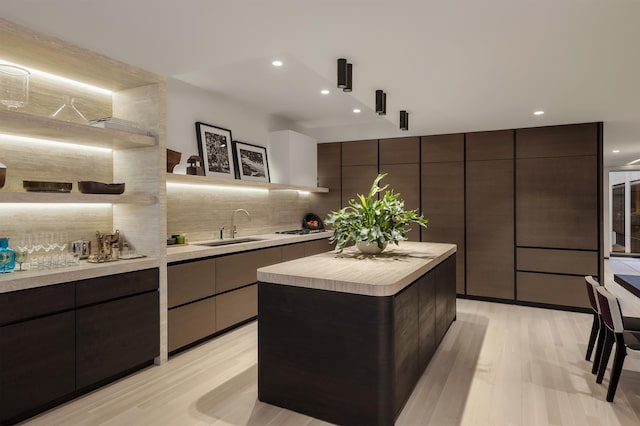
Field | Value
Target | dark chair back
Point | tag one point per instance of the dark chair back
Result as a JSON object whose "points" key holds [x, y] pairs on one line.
{"points": [[610, 310], [592, 285]]}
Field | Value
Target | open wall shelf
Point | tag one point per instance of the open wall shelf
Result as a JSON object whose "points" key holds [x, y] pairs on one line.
{"points": [[213, 181], [34, 126]]}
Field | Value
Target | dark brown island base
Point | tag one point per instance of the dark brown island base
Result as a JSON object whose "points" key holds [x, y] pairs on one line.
{"points": [[345, 337]]}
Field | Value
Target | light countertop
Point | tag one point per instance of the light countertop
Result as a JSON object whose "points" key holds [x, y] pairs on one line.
{"points": [[178, 253], [22, 280], [351, 272]]}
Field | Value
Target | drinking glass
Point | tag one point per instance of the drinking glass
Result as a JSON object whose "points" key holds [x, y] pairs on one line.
{"points": [[21, 252], [14, 86]]}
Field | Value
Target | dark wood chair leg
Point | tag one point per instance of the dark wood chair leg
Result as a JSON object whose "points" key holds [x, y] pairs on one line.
{"points": [[618, 360], [606, 353], [594, 334], [599, 346]]}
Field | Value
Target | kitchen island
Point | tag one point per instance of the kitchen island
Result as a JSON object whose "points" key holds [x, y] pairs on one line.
{"points": [[345, 337]]}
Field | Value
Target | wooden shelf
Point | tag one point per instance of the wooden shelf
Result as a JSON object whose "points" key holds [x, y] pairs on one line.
{"points": [[29, 125], [62, 198], [30, 48], [213, 181]]}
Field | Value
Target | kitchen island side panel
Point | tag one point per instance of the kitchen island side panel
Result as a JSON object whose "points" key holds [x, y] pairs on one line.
{"points": [[348, 358], [326, 354]]}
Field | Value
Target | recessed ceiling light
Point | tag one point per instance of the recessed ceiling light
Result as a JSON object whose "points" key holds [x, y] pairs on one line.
{"points": [[615, 151], [356, 110], [276, 63], [538, 113], [635, 161], [324, 92]]}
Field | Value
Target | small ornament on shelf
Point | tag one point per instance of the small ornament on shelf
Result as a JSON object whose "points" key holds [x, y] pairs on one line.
{"points": [[194, 168]]}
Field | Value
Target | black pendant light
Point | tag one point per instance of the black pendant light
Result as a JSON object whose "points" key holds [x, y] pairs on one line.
{"points": [[349, 85], [381, 102], [404, 120], [342, 73]]}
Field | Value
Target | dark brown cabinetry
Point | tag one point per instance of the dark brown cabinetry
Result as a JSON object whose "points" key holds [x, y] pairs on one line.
{"points": [[59, 341], [37, 363], [329, 176], [489, 214], [499, 196], [359, 168], [443, 195], [558, 203], [399, 158], [336, 355], [116, 336]]}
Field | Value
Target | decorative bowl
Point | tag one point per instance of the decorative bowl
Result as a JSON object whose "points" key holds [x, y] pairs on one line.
{"points": [[91, 187], [40, 186], [3, 174]]}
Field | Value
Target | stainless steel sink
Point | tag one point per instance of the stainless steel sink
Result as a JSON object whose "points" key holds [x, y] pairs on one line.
{"points": [[227, 242]]}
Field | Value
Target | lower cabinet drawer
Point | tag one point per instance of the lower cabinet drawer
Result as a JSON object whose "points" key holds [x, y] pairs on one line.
{"points": [[564, 290], [192, 322], [114, 337], [236, 306], [37, 363], [317, 246]]}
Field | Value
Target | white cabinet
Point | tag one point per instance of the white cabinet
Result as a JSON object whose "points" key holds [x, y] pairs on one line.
{"points": [[293, 158]]}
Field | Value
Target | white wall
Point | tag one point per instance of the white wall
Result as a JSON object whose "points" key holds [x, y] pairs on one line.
{"points": [[187, 104], [200, 212]]}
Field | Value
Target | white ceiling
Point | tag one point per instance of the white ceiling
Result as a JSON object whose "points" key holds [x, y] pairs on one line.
{"points": [[456, 66]]}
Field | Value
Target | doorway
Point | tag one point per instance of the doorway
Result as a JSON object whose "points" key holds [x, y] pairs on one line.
{"points": [[624, 187]]}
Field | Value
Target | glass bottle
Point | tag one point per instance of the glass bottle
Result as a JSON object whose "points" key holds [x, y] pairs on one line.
{"points": [[7, 256]]}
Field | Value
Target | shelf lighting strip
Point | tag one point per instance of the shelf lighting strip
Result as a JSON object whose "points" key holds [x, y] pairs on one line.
{"points": [[61, 206], [64, 80], [6, 137], [230, 188]]}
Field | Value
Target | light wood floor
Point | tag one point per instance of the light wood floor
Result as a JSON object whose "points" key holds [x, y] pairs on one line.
{"points": [[498, 365]]}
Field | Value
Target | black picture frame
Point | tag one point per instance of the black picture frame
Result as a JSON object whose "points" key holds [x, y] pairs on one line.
{"points": [[215, 147], [251, 162]]}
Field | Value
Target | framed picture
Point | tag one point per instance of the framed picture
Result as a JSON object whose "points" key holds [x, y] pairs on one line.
{"points": [[252, 161], [214, 146]]}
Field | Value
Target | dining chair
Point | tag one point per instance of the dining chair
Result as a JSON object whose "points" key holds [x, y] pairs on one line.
{"points": [[627, 341], [597, 328]]}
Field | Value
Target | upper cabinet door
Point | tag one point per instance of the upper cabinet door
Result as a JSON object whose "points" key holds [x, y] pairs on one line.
{"points": [[329, 160], [400, 150], [360, 153], [557, 186], [557, 202], [557, 141], [442, 148], [496, 145]]}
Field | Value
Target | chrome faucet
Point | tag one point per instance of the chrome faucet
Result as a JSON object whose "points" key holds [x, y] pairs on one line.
{"points": [[233, 230]]}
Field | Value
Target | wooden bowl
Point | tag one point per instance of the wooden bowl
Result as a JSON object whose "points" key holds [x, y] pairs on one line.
{"points": [[3, 174], [173, 159], [91, 187]]}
